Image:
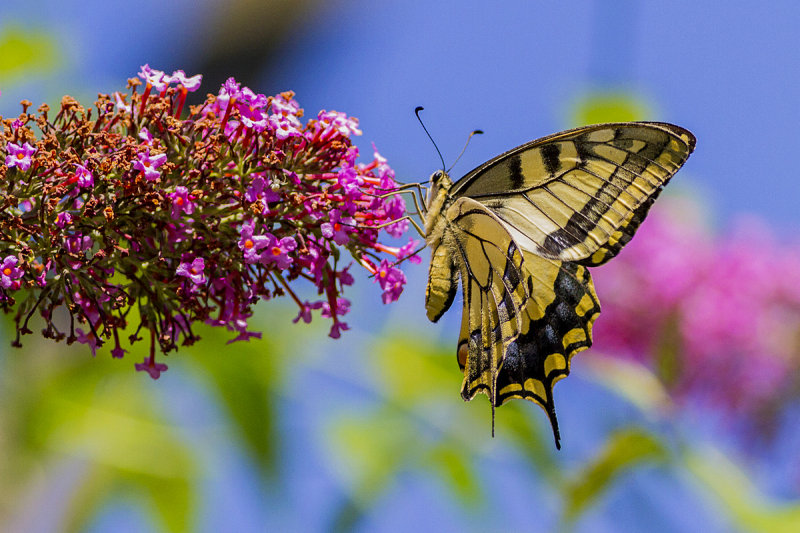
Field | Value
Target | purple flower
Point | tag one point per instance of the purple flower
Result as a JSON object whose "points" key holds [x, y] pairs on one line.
{"points": [[337, 328], [305, 312], [120, 103], [251, 244], [283, 127], [339, 122], [63, 219], [345, 278], [20, 156], [153, 77], [260, 190], [258, 124], [150, 366], [408, 250], [9, 271], [349, 180], [193, 270], [230, 90], [148, 164], [253, 164], [182, 202], [250, 103], [342, 307], [41, 278], [190, 84], [89, 339], [338, 228], [118, 352], [78, 243], [285, 107], [85, 178], [391, 279], [395, 210], [278, 251], [146, 136]]}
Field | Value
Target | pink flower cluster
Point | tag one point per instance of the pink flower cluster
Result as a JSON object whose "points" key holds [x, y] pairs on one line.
{"points": [[718, 318], [179, 220]]}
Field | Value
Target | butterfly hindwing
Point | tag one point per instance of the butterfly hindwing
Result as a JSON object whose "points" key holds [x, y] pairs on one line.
{"points": [[580, 193], [491, 269], [557, 324]]}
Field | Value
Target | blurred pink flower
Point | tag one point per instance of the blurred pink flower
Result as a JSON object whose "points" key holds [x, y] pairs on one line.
{"points": [[725, 311]]}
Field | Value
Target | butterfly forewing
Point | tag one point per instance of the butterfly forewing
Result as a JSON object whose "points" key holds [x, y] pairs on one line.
{"points": [[567, 196]]}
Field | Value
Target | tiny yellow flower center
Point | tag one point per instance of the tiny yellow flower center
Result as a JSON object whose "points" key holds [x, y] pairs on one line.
{"points": [[276, 251], [179, 200], [337, 227], [193, 270], [383, 273], [20, 155], [249, 244], [146, 163], [7, 271]]}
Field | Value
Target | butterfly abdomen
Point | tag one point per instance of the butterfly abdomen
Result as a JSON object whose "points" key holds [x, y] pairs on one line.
{"points": [[442, 283]]}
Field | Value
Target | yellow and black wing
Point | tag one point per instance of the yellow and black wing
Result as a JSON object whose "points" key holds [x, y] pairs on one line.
{"points": [[477, 248], [519, 232], [524, 316], [581, 194], [556, 324]]}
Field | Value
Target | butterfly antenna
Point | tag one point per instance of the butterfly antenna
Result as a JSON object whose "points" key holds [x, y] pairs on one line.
{"points": [[476, 132], [416, 112]]}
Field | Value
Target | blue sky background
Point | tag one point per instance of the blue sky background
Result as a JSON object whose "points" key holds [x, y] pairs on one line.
{"points": [[515, 69]]}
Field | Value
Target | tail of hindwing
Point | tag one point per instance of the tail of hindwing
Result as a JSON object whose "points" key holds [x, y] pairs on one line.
{"points": [[554, 331]]}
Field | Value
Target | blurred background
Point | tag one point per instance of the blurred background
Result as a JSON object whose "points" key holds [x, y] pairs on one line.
{"points": [[684, 416]]}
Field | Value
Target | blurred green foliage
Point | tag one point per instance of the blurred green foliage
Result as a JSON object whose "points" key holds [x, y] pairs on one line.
{"points": [[607, 106], [24, 52], [58, 406]]}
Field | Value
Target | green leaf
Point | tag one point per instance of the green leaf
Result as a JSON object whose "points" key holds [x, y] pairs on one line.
{"points": [[118, 439], [623, 451], [171, 500], [455, 468], [599, 107], [246, 378], [633, 381], [411, 369], [522, 423], [23, 51], [67, 408], [368, 451], [749, 509], [366, 454]]}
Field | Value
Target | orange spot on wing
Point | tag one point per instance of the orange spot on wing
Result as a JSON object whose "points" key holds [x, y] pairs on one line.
{"points": [[463, 351]]}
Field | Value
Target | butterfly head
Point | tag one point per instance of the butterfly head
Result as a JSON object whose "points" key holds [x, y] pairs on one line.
{"points": [[439, 189]]}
